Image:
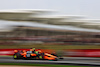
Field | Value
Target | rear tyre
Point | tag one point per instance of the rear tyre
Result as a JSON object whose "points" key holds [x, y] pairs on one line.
{"points": [[17, 56]]}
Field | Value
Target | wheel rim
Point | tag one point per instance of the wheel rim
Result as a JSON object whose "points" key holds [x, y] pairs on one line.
{"points": [[15, 56], [40, 57]]}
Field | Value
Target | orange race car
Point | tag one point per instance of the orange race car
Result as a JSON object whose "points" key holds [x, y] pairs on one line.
{"points": [[32, 54]]}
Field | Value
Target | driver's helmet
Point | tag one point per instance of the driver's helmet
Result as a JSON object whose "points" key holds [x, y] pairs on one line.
{"points": [[32, 49], [39, 51]]}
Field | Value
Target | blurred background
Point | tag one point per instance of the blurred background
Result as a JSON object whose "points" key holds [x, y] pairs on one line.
{"points": [[42, 29], [71, 28]]}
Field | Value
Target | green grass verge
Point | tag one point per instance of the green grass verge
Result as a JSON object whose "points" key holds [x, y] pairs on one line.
{"points": [[56, 47], [47, 65]]}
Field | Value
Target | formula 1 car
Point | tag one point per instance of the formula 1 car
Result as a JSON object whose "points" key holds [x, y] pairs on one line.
{"points": [[32, 55]]}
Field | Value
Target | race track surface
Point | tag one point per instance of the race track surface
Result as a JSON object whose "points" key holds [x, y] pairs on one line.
{"points": [[66, 60]]}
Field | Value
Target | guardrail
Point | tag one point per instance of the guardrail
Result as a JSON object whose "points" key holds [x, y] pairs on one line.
{"points": [[82, 53]]}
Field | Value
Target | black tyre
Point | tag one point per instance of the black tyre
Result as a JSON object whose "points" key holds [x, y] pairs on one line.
{"points": [[17, 56], [55, 59]]}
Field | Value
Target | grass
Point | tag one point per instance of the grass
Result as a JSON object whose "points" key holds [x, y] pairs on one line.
{"points": [[56, 47], [47, 65]]}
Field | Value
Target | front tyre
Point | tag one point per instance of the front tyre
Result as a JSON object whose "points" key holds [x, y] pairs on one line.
{"points": [[55, 59]]}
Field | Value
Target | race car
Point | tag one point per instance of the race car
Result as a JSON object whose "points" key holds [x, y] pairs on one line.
{"points": [[32, 54]]}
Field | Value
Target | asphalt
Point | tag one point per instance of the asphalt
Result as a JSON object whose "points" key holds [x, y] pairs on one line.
{"points": [[65, 61]]}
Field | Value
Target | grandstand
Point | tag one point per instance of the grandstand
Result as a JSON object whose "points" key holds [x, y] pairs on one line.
{"points": [[40, 26]]}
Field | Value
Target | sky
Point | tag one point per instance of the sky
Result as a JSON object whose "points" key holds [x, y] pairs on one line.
{"points": [[88, 8]]}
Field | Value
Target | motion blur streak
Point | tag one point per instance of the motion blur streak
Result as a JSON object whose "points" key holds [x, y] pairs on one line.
{"points": [[40, 34]]}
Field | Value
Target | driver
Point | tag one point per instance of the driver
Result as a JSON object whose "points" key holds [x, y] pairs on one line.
{"points": [[32, 50]]}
